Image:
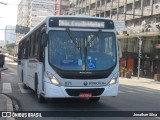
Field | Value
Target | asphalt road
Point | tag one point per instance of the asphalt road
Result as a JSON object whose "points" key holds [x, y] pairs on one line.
{"points": [[130, 98]]}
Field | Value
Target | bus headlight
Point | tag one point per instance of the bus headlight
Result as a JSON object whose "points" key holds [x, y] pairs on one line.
{"points": [[52, 78], [113, 81]]}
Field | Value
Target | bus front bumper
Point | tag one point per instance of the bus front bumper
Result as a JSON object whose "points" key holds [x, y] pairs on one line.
{"points": [[53, 91]]}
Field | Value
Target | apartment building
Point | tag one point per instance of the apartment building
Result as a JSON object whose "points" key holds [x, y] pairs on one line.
{"points": [[30, 13], [61, 7], [142, 20], [22, 19], [39, 9]]}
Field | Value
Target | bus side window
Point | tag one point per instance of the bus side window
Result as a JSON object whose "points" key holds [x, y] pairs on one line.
{"points": [[41, 48], [29, 47], [33, 42], [26, 48], [36, 53], [20, 51]]}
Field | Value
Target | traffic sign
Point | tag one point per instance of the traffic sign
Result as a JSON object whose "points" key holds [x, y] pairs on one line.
{"points": [[119, 24]]}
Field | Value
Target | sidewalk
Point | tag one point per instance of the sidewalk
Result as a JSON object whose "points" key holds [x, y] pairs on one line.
{"points": [[5, 101], [142, 82], [5, 105]]}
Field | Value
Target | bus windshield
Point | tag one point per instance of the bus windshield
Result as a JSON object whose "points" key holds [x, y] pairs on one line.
{"points": [[82, 50]]}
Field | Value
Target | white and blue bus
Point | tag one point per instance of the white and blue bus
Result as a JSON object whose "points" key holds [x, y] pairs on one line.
{"points": [[70, 56]]}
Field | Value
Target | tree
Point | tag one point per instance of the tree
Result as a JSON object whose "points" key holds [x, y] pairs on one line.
{"points": [[10, 47]]}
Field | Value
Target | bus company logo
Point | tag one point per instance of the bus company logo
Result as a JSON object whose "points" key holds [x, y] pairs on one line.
{"points": [[6, 114], [85, 83]]}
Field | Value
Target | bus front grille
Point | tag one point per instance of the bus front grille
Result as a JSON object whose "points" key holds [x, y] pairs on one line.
{"points": [[76, 92]]}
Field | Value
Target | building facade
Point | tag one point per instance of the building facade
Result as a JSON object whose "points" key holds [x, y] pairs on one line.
{"points": [[39, 9], [142, 20], [61, 7], [30, 13], [22, 18]]}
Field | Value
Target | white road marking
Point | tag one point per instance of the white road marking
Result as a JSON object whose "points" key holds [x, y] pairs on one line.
{"points": [[14, 63], [138, 90], [22, 89], [132, 91], [6, 88], [120, 91], [150, 89], [157, 117]]}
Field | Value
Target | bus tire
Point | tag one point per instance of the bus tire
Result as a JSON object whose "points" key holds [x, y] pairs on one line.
{"points": [[40, 98], [94, 99], [1, 66], [25, 86]]}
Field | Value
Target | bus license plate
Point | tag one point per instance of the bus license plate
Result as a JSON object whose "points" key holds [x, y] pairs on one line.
{"points": [[85, 95]]}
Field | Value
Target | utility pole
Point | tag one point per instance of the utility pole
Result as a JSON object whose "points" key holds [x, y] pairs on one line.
{"points": [[139, 51], [139, 56]]}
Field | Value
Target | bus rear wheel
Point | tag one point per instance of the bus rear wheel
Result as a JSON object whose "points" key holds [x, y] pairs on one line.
{"points": [[94, 99], [41, 99]]}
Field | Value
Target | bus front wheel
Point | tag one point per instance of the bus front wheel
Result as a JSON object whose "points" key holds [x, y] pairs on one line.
{"points": [[41, 99], [94, 99]]}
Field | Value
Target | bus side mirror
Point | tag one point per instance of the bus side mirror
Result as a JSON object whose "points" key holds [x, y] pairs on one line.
{"points": [[44, 40]]}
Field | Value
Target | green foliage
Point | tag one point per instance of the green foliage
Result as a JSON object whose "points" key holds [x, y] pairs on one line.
{"points": [[10, 47]]}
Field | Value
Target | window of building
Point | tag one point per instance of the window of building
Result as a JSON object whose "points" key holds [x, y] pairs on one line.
{"points": [[114, 11], [156, 1], [102, 14], [146, 2], [138, 5], [93, 5], [131, 45], [157, 18], [147, 46], [103, 2], [124, 45], [129, 7], [98, 4], [83, 10], [108, 1], [107, 13], [87, 8], [121, 9]]}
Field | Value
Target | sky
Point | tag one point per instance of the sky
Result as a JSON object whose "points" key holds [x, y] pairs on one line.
{"points": [[8, 15]]}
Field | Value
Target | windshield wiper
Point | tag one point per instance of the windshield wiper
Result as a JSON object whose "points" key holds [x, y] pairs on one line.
{"points": [[78, 45], [92, 39]]}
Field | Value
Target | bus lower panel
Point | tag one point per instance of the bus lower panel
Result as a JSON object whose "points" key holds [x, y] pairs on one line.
{"points": [[76, 92]]}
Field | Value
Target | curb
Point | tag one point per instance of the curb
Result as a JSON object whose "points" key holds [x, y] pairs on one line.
{"points": [[9, 105]]}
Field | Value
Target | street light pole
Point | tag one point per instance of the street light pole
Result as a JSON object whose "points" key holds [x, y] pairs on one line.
{"points": [[139, 55], [139, 52]]}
